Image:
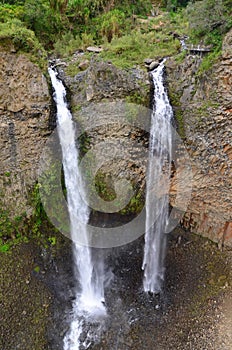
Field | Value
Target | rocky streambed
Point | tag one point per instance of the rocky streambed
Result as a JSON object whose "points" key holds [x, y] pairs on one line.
{"points": [[193, 312]]}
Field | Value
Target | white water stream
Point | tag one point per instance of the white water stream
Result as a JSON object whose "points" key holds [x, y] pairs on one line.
{"points": [[157, 201], [90, 274]]}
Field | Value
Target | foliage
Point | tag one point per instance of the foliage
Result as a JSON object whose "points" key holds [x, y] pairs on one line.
{"points": [[67, 45], [46, 22], [135, 205], [86, 40], [174, 5], [111, 24], [104, 187], [6, 226], [12, 230], [209, 19], [21, 37], [130, 7], [133, 48], [208, 61], [8, 12]]}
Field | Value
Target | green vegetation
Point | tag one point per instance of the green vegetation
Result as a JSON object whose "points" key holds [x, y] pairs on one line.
{"points": [[209, 20], [121, 27], [22, 38], [208, 61], [104, 187], [133, 48], [18, 229], [12, 230]]}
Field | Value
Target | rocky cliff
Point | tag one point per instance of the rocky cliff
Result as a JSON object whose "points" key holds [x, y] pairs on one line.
{"points": [[203, 105], [24, 125], [112, 107], [98, 97]]}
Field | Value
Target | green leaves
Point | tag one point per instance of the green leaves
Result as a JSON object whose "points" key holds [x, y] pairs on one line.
{"points": [[209, 18]]}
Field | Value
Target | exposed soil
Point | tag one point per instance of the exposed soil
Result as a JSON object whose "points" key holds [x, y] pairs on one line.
{"points": [[193, 312]]}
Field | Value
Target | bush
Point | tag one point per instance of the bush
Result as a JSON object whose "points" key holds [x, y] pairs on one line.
{"points": [[86, 40], [111, 24], [67, 45], [46, 22], [131, 49], [22, 38], [209, 19], [8, 12]]}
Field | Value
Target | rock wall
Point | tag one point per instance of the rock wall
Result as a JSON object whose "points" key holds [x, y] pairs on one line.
{"points": [[24, 125], [203, 106], [107, 103]]}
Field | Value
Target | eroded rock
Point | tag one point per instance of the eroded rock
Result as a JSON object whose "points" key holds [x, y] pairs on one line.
{"points": [[24, 125], [204, 107]]}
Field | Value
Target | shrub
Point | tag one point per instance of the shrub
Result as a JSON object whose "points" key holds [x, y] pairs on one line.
{"points": [[111, 24], [86, 40], [209, 19], [8, 12], [47, 23], [67, 45], [131, 49], [22, 38]]}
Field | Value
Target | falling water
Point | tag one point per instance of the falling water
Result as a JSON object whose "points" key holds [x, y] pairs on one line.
{"points": [[90, 294], [157, 201]]}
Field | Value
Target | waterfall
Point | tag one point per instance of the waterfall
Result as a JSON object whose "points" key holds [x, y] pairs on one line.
{"points": [[90, 274], [158, 174]]}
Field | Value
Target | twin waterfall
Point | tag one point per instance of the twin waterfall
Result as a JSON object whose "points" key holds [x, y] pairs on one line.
{"points": [[89, 298]]}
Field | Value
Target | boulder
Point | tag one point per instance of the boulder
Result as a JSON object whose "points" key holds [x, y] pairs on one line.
{"points": [[84, 65], [95, 49], [153, 65], [148, 61]]}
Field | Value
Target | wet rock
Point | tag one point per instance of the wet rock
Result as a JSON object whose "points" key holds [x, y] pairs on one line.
{"points": [[153, 65], [102, 93]]}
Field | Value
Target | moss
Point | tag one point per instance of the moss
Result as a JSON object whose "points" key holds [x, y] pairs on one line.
{"points": [[180, 122], [72, 69], [207, 63], [139, 97], [203, 111], [176, 105], [135, 205], [103, 184]]}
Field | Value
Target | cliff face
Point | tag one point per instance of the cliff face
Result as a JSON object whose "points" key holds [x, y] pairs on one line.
{"points": [[203, 106], [24, 119], [204, 109], [106, 101]]}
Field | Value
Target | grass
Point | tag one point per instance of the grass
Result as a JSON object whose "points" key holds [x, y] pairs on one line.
{"points": [[132, 49], [208, 62], [151, 39]]}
